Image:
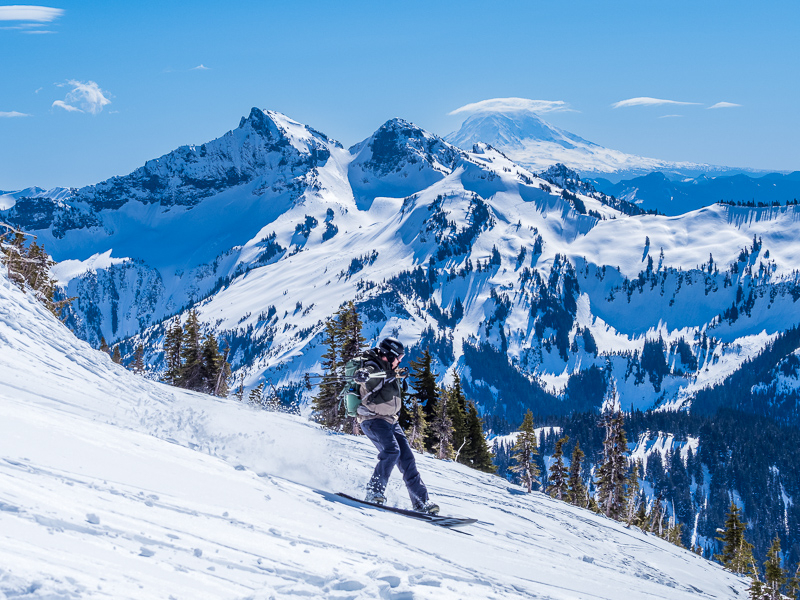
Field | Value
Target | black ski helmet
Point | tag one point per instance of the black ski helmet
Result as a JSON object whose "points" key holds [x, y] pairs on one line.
{"points": [[392, 348]]}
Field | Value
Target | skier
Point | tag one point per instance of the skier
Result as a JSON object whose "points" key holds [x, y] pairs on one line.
{"points": [[379, 386]]}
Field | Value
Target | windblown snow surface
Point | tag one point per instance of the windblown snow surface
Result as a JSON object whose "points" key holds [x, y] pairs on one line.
{"points": [[113, 486]]}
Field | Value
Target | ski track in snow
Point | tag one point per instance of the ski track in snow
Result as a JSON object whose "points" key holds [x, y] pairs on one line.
{"points": [[112, 486]]}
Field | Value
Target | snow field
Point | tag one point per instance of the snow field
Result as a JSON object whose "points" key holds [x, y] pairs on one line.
{"points": [[112, 486]]}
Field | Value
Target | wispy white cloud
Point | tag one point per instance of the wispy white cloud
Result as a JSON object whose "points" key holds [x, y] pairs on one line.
{"points": [[66, 107], [725, 105], [646, 101], [512, 105], [41, 14], [670, 116], [83, 97], [200, 67], [12, 114], [36, 31]]}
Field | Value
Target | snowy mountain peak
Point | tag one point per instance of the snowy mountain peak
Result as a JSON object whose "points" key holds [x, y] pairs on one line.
{"points": [[511, 128], [530, 141], [400, 159], [279, 128]]}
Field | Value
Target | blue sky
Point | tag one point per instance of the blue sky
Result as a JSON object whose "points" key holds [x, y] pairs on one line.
{"points": [[94, 89]]}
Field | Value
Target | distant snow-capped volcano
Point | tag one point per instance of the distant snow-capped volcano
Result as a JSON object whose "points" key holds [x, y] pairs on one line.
{"points": [[530, 141]]}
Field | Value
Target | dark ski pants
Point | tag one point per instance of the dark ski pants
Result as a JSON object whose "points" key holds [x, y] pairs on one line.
{"points": [[393, 449]]}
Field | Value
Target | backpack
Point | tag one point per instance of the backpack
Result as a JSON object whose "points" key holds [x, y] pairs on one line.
{"points": [[351, 393]]}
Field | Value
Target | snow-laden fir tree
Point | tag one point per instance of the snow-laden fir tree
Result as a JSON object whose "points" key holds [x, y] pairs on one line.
{"points": [[524, 454], [558, 481], [578, 494]]}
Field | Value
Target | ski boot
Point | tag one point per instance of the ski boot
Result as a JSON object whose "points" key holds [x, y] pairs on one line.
{"points": [[427, 507], [375, 497]]}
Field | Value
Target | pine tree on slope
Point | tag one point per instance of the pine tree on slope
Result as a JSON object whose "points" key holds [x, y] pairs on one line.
{"points": [[774, 575], [632, 494], [734, 546], [173, 340], [577, 489], [418, 427], [558, 486], [426, 392], [442, 429], [326, 402], [457, 411], [611, 473], [477, 453], [524, 452], [191, 373]]}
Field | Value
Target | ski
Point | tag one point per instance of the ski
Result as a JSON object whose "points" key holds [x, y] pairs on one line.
{"points": [[438, 520]]}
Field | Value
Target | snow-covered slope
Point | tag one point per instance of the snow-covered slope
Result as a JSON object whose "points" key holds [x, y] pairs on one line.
{"points": [[112, 486], [532, 142]]}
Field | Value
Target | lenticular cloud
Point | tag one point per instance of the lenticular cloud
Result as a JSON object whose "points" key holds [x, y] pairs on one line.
{"points": [[512, 105]]}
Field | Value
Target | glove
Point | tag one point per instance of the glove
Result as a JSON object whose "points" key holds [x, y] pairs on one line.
{"points": [[401, 373], [361, 376]]}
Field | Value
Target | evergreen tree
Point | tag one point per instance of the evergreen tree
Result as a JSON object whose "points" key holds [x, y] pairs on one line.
{"points": [[477, 454], [326, 404], [256, 397], [793, 584], [524, 453], [138, 359], [733, 542], [611, 473], [173, 341], [642, 519], [29, 267], [656, 517], [558, 486], [774, 575], [116, 356], [191, 371], [457, 411], [632, 494], [215, 368], [426, 392], [240, 390], [577, 489], [674, 533], [345, 343], [351, 340], [104, 345], [442, 430], [352, 346], [418, 427]]}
